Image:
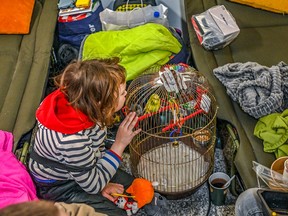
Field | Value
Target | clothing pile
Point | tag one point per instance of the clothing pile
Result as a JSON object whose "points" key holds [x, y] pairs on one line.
{"points": [[258, 89]]}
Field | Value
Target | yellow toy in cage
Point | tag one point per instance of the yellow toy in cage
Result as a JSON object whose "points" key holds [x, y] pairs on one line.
{"points": [[177, 114]]}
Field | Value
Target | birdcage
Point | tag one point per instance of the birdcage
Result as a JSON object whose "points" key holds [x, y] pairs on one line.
{"points": [[177, 114]]}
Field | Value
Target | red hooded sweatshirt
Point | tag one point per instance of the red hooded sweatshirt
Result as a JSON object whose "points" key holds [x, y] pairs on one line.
{"points": [[56, 114]]}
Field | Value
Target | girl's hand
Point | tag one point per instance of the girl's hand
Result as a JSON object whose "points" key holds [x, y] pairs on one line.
{"points": [[125, 133], [111, 188]]}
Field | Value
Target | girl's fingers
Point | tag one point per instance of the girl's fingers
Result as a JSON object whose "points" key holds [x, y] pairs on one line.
{"points": [[108, 196], [130, 117], [136, 132], [133, 123], [120, 190]]}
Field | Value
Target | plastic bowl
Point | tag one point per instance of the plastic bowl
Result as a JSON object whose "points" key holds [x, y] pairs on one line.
{"points": [[277, 166]]}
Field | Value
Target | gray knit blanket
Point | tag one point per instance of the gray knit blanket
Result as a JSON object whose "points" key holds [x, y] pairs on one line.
{"points": [[258, 89]]}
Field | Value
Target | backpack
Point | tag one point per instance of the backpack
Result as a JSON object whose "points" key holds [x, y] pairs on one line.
{"points": [[72, 29]]}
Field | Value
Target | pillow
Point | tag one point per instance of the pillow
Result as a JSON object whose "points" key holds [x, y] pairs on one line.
{"points": [[15, 16], [277, 6]]}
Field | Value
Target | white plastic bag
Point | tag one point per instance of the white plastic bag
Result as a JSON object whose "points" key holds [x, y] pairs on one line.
{"points": [[118, 20]]}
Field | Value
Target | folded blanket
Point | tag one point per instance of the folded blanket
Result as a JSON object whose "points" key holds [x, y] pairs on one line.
{"points": [[273, 130], [258, 89], [139, 48]]}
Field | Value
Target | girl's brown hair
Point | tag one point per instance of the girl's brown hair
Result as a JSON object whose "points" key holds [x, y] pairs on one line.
{"points": [[32, 208], [92, 86]]}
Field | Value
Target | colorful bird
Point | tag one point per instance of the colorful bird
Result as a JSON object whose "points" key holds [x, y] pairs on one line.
{"points": [[174, 105], [117, 119], [153, 104]]}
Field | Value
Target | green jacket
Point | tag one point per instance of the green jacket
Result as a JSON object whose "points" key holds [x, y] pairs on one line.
{"points": [[139, 48], [273, 130]]}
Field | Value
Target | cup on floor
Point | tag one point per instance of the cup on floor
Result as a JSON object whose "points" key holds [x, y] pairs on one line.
{"points": [[217, 189]]}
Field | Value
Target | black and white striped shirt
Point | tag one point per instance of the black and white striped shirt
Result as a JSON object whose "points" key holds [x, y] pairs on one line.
{"points": [[82, 149]]}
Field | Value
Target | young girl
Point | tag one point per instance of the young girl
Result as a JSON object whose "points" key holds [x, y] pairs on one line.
{"points": [[69, 161]]}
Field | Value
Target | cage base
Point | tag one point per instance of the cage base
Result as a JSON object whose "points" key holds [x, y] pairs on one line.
{"points": [[181, 194]]}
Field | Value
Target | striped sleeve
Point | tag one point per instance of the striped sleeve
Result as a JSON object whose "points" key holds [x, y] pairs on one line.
{"points": [[82, 149]]}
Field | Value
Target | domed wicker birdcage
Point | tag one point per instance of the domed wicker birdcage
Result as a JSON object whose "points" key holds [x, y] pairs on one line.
{"points": [[177, 114]]}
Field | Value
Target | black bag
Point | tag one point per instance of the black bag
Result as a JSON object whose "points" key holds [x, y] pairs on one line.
{"points": [[274, 201], [127, 5]]}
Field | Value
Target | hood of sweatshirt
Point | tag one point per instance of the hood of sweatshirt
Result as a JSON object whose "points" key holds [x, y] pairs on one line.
{"points": [[56, 114]]}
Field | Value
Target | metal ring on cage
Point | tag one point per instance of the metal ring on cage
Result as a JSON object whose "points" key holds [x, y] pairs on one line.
{"points": [[175, 130]]}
